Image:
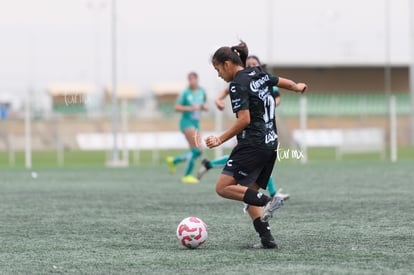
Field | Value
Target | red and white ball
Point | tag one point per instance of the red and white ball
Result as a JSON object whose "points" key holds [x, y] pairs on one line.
{"points": [[192, 232]]}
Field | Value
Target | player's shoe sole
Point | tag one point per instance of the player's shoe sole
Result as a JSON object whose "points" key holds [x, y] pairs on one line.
{"points": [[171, 165], [271, 207]]}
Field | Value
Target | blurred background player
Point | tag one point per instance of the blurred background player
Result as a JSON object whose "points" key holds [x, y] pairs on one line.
{"points": [[252, 160], [206, 165], [190, 103]]}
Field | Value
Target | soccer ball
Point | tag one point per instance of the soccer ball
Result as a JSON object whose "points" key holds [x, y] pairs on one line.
{"points": [[192, 232]]}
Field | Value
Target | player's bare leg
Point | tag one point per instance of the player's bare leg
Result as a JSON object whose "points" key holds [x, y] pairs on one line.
{"points": [[192, 136], [227, 187]]}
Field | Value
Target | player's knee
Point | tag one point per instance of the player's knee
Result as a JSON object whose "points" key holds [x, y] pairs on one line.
{"points": [[220, 190]]}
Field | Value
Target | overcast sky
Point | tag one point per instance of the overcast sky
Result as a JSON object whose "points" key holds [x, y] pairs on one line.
{"points": [[45, 41]]}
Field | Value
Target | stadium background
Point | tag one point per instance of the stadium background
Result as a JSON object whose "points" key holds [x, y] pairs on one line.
{"points": [[61, 63]]}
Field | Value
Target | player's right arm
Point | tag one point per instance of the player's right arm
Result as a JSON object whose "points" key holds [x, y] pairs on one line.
{"points": [[182, 108], [183, 105], [242, 121], [219, 99], [240, 105]]}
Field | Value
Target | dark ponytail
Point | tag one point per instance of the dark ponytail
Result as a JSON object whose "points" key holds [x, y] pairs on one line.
{"points": [[242, 51], [236, 54]]}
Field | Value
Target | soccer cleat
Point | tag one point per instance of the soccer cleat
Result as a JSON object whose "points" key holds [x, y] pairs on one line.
{"points": [[280, 194], [205, 166], [284, 196], [267, 242], [190, 179], [171, 165], [275, 203]]}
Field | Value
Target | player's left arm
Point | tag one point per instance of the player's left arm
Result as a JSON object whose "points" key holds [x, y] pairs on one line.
{"points": [[291, 85]]}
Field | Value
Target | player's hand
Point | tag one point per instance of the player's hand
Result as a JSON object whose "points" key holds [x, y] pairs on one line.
{"points": [[204, 107], [196, 107], [301, 87], [219, 103], [212, 141], [277, 101]]}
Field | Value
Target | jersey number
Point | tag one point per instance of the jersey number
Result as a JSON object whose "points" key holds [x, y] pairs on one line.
{"points": [[269, 108]]}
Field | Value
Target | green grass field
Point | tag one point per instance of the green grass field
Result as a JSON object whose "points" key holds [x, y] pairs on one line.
{"points": [[348, 217], [95, 159]]}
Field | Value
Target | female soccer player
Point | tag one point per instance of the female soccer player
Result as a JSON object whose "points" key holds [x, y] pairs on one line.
{"points": [[251, 162], [190, 103], [206, 165]]}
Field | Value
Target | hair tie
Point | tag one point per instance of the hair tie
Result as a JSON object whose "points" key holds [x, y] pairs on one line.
{"points": [[236, 52]]}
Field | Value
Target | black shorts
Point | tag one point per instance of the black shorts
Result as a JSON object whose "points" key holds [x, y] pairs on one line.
{"points": [[248, 165]]}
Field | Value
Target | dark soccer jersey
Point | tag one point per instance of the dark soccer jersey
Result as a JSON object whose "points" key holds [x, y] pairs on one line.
{"points": [[251, 90]]}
